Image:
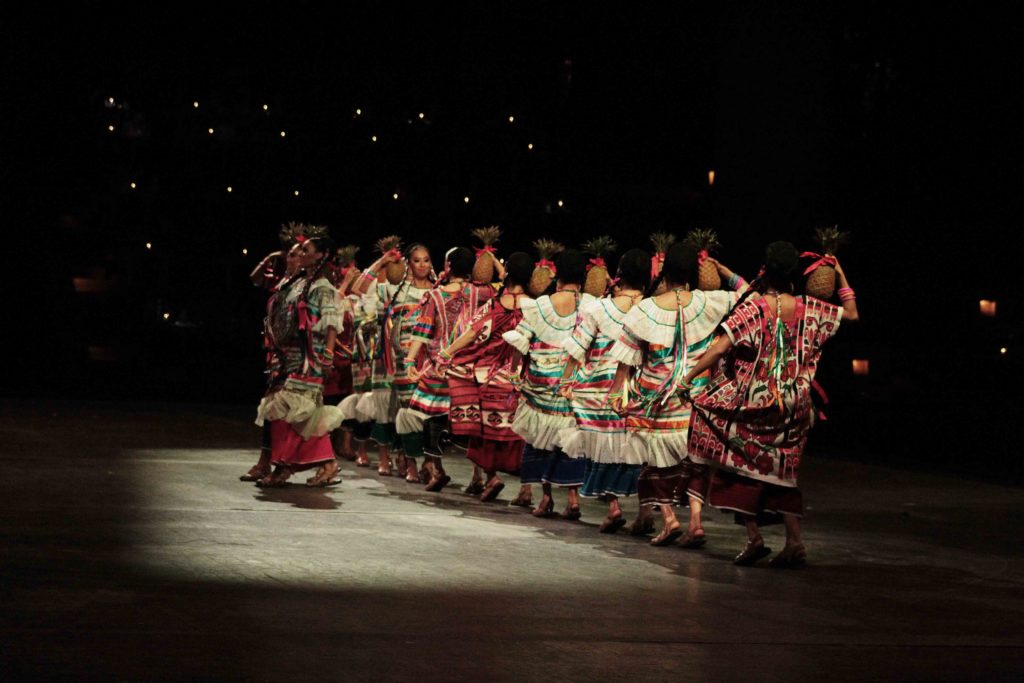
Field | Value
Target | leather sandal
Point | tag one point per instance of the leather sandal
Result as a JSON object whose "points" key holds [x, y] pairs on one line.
{"points": [[790, 557], [693, 541], [754, 551]]}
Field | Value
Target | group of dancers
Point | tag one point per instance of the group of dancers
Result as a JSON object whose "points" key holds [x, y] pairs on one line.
{"points": [[657, 389]]}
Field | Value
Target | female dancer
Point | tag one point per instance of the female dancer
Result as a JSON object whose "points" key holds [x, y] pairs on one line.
{"points": [[542, 414], [600, 433], [752, 421], [482, 372], [303, 329], [396, 313], [664, 336], [264, 275], [444, 314]]}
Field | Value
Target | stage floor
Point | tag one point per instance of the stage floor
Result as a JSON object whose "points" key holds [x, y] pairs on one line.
{"points": [[130, 551]]}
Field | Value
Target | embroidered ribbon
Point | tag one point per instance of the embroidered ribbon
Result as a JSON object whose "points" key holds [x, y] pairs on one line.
{"points": [[657, 261], [596, 263], [777, 362], [827, 260], [484, 250]]}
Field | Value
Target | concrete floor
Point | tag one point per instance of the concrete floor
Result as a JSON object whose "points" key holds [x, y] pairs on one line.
{"points": [[130, 551]]}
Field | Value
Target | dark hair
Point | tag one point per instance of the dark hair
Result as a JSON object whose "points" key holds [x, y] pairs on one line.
{"points": [[519, 269], [681, 264], [635, 269], [780, 260], [413, 247], [571, 267], [460, 262]]}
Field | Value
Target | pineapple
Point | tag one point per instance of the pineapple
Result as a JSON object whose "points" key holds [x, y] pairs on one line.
{"points": [[661, 241], [544, 273], [483, 269], [394, 272], [705, 241], [821, 283], [347, 255], [597, 274]]}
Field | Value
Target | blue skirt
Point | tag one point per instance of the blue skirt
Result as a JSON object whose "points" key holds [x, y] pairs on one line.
{"points": [[551, 467], [618, 479]]}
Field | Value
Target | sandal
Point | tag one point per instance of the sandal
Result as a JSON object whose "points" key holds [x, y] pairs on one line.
{"points": [[754, 551], [546, 511], [475, 488], [666, 536], [323, 480], [491, 492], [279, 479], [522, 501], [611, 525], [644, 528], [435, 485], [362, 461], [693, 541], [255, 473], [571, 513], [791, 557], [385, 470]]}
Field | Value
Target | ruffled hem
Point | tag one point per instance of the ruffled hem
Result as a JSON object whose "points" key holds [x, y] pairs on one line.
{"points": [[600, 447], [307, 417], [377, 406], [327, 320], [518, 341], [539, 430], [624, 354], [350, 409], [666, 450], [573, 348]]}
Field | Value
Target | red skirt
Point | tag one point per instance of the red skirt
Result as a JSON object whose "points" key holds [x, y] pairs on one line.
{"points": [[746, 496], [496, 456], [291, 450], [485, 410]]}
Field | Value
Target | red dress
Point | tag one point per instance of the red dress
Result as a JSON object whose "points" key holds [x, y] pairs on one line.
{"points": [[483, 379]]}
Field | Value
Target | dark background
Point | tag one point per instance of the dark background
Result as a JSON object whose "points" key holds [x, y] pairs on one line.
{"points": [[899, 122]]}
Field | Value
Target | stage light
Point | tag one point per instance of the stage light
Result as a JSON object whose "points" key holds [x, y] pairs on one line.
{"points": [[529, 145], [1002, 351], [560, 203], [359, 112], [711, 177], [861, 366], [110, 128], [195, 105], [465, 200], [149, 245], [245, 252], [422, 116], [210, 131], [283, 133], [373, 138], [511, 119], [296, 193], [230, 189], [133, 185], [167, 316], [394, 196], [266, 107], [110, 100], [988, 308]]}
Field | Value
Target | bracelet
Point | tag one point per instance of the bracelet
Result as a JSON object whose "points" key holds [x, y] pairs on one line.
{"points": [[408, 361], [443, 353], [847, 294], [735, 281], [369, 275]]}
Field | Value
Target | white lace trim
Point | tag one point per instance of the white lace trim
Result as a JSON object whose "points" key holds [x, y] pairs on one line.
{"points": [[651, 323], [547, 325], [600, 447], [540, 430]]}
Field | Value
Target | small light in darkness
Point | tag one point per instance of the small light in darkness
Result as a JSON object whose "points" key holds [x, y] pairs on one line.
{"points": [[465, 200], [149, 245], [529, 145], [167, 316], [133, 185], [195, 105], [210, 131], [394, 196], [245, 252], [511, 119], [283, 133], [422, 116], [296, 193], [111, 128], [560, 203], [266, 107], [373, 138], [230, 189]]}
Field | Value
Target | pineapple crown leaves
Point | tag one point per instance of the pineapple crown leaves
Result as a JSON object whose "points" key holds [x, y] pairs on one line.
{"points": [[831, 238], [386, 244], [703, 239], [600, 246], [488, 235], [291, 231], [547, 248], [662, 241], [347, 255]]}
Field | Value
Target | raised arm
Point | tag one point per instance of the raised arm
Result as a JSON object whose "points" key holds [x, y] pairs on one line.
{"points": [[847, 297]]}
